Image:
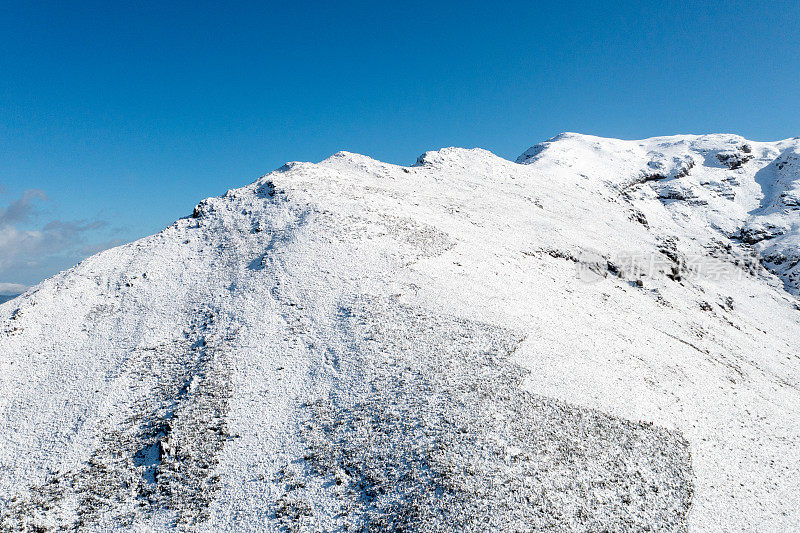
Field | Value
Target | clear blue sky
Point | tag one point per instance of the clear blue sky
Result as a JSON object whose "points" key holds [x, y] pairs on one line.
{"points": [[121, 117]]}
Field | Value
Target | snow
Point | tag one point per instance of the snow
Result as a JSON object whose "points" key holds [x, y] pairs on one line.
{"points": [[602, 334]]}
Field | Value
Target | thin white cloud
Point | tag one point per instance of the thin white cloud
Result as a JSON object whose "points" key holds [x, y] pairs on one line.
{"points": [[23, 209], [11, 289], [29, 255]]}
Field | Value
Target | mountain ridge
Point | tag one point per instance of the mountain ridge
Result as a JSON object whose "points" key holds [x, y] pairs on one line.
{"points": [[193, 361]]}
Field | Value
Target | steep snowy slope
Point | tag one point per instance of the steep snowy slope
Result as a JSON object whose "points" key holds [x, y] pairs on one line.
{"points": [[586, 340], [712, 186]]}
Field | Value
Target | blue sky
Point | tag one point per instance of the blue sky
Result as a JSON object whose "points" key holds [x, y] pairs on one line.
{"points": [[117, 119]]}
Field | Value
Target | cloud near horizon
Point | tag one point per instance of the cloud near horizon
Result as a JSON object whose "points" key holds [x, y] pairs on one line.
{"points": [[23, 209], [10, 289], [30, 252]]}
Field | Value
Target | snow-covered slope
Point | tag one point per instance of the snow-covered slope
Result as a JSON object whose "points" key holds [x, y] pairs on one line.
{"points": [[712, 186], [586, 339]]}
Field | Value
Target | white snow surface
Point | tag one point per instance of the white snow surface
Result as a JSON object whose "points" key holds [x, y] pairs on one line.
{"points": [[652, 280]]}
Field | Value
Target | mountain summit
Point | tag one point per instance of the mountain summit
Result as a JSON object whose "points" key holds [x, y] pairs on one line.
{"points": [[599, 336]]}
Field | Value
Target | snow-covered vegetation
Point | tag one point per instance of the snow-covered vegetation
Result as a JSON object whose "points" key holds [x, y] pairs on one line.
{"points": [[599, 336]]}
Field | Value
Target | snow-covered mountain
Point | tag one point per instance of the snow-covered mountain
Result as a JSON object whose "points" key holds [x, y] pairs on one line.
{"points": [[602, 335]]}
